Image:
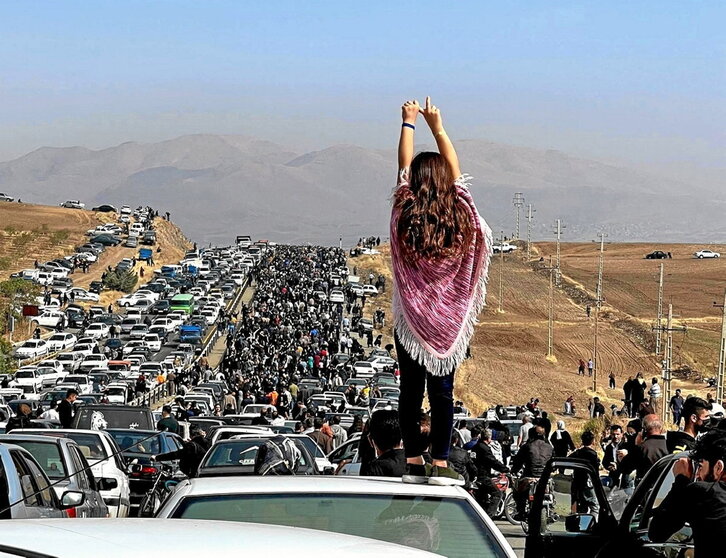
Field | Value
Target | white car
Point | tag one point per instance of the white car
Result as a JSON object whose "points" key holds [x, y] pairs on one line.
{"points": [[61, 341], [337, 297], [82, 294], [130, 299], [70, 360], [506, 248], [32, 348], [93, 361], [73, 204], [131, 345], [47, 318], [28, 376], [90, 257], [210, 316], [706, 254], [84, 383], [55, 364], [370, 290], [447, 519], [153, 341], [168, 324], [97, 330], [381, 363], [364, 369], [84, 349]]}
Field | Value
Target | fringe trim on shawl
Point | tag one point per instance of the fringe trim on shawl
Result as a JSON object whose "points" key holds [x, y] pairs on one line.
{"points": [[445, 366]]}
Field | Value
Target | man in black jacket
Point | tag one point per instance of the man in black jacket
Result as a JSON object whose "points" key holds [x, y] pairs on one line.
{"points": [[65, 408], [697, 414], [485, 463], [190, 455], [531, 459], [700, 502], [460, 459], [644, 455], [385, 435], [583, 497], [610, 459]]}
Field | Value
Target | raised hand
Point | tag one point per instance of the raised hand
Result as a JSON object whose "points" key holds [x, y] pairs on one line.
{"points": [[409, 111], [432, 115]]}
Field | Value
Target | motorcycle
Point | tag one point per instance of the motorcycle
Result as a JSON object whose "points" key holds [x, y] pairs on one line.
{"points": [[549, 515]]}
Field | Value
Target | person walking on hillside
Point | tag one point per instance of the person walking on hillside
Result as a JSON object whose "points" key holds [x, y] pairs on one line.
{"points": [[655, 395], [581, 368], [440, 251], [590, 366], [611, 380]]}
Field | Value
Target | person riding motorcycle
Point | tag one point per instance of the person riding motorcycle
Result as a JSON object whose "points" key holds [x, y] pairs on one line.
{"points": [[531, 460], [487, 493]]}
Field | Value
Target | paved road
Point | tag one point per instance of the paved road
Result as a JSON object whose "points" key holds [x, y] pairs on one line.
{"points": [[514, 535]]}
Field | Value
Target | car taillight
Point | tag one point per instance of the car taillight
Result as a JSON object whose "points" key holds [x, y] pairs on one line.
{"points": [[148, 470], [71, 512]]}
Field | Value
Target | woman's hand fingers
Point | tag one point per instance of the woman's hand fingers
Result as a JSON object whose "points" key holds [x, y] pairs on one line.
{"points": [[428, 102]]}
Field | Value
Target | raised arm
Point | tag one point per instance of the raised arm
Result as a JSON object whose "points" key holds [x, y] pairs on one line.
{"points": [[446, 148], [409, 113]]}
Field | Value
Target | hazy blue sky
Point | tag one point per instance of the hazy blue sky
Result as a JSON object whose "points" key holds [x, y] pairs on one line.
{"points": [[643, 81]]}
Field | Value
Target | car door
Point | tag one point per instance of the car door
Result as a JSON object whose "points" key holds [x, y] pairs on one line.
{"points": [[94, 505], [570, 516], [38, 499]]}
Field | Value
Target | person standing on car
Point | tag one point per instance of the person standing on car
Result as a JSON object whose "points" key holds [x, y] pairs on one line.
{"points": [[440, 255], [190, 455], [65, 408], [697, 497]]}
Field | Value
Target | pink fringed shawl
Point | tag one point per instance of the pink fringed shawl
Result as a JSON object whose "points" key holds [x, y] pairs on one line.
{"points": [[436, 304]]}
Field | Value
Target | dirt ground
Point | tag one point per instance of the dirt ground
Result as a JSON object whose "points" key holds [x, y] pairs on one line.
{"points": [[509, 363]]}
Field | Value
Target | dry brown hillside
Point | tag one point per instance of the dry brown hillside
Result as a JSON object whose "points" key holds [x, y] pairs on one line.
{"points": [[509, 350]]}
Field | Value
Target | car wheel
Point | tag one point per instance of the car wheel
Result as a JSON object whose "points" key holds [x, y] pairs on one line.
{"points": [[700, 257]]}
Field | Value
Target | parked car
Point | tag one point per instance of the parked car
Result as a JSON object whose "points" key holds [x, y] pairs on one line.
{"points": [[102, 417], [105, 208], [236, 457], [47, 318], [64, 464], [109, 470], [4, 197], [27, 487], [97, 330], [77, 293], [70, 360], [106, 239], [68, 538], [61, 341], [73, 204], [657, 255], [446, 520], [701, 254], [138, 449], [32, 348]]}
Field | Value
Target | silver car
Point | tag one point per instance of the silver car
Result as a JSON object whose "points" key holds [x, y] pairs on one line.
{"points": [[27, 493], [61, 460]]}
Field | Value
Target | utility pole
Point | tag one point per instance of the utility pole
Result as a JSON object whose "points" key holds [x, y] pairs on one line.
{"points": [[551, 315], [558, 234], [667, 362], [501, 271], [518, 202], [529, 230], [721, 355], [660, 312], [598, 303]]}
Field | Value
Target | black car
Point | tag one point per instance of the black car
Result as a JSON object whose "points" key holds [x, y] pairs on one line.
{"points": [[107, 239], [105, 208], [113, 343], [656, 255], [160, 307], [615, 529], [96, 287], [75, 318], [100, 417], [138, 446]]}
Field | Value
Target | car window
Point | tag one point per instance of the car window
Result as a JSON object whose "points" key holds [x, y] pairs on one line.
{"points": [[85, 477], [48, 456], [449, 527], [41, 485], [345, 452], [25, 478]]}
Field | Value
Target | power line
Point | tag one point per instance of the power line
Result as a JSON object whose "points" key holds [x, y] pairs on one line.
{"points": [[660, 312], [667, 362], [598, 303], [501, 271], [558, 235]]}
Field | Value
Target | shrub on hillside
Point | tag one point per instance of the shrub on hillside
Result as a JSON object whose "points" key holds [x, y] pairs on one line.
{"points": [[124, 281]]}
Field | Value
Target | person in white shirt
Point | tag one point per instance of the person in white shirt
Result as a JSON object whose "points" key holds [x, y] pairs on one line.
{"points": [[524, 429], [52, 413]]}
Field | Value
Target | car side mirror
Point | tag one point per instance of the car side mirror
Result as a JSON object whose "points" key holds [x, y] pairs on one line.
{"points": [[71, 499], [328, 470], [107, 484], [580, 523]]}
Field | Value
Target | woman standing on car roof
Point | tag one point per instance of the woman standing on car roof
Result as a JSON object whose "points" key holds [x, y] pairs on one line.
{"points": [[440, 249]]}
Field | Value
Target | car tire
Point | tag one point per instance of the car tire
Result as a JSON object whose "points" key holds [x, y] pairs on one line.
{"points": [[700, 257]]}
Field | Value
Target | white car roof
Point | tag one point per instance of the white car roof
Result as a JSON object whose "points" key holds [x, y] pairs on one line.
{"points": [[323, 484], [185, 537]]}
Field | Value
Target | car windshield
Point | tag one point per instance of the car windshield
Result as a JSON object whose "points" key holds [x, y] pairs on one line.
{"points": [[449, 527], [25, 374], [48, 456], [132, 441]]}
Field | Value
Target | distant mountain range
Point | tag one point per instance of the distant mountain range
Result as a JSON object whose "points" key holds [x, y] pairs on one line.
{"points": [[218, 186]]}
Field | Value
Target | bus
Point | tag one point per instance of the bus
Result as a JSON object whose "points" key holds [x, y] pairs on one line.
{"points": [[183, 302]]}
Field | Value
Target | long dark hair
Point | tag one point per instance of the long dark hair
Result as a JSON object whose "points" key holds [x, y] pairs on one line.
{"points": [[432, 225]]}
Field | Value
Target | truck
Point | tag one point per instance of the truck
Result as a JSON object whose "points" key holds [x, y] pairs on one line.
{"points": [[145, 254], [190, 334]]}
